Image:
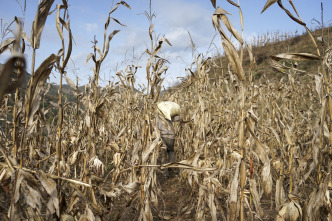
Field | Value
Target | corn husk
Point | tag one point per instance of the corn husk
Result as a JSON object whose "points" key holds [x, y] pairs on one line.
{"points": [[290, 211]]}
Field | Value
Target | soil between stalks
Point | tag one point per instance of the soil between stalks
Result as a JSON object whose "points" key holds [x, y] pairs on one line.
{"points": [[174, 196]]}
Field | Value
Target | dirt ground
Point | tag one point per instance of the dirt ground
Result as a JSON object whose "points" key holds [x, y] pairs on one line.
{"points": [[176, 199], [174, 202]]}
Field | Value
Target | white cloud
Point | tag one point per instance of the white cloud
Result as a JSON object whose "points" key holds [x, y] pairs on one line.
{"points": [[129, 38], [179, 13], [91, 27], [179, 38]]}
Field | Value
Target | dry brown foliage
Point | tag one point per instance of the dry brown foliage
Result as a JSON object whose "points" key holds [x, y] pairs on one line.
{"points": [[249, 150]]}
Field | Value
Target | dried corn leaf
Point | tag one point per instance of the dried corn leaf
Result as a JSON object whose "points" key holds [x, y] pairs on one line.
{"points": [[241, 134], [251, 56], [280, 194], [323, 110], [266, 178], [117, 5], [151, 30], [278, 67], [268, 4], [234, 192], [69, 81], [260, 149], [117, 21], [132, 187], [6, 44], [66, 217], [289, 136], [4, 175], [296, 56], [316, 201], [223, 17], [73, 158], [73, 200], [289, 212], [216, 183], [25, 37], [186, 166], [234, 59], [256, 198], [31, 212], [275, 134], [242, 174], [13, 214], [233, 3], [319, 86], [213, 2], [69, 50], [97, 166], [88, 58], [110, 37], [57, 21], [18, 181], [146, 213], [212, 206], [147, 151], [32, 196], [216, 23], [290, 14], [29, 178], [116, 192], [39, 22], [241, 19], [97, 48], [160, 42], [47, 183], [53, 203], [88, 215], [200, 206], [292, 4], [37, 86]]}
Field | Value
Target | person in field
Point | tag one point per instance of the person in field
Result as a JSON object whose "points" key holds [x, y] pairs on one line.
{"points": [[167, 113]]}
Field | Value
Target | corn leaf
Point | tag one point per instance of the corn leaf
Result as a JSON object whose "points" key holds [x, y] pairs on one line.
{"points": [[39, 22]]}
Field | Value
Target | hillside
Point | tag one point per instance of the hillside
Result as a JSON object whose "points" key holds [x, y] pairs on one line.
{"points": [[269, 45]]}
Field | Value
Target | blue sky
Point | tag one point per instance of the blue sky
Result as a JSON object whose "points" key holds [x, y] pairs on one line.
{"points": [[174, 18]]}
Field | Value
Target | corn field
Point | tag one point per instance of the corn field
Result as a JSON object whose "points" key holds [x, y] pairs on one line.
{"points": [[249, 150]]}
